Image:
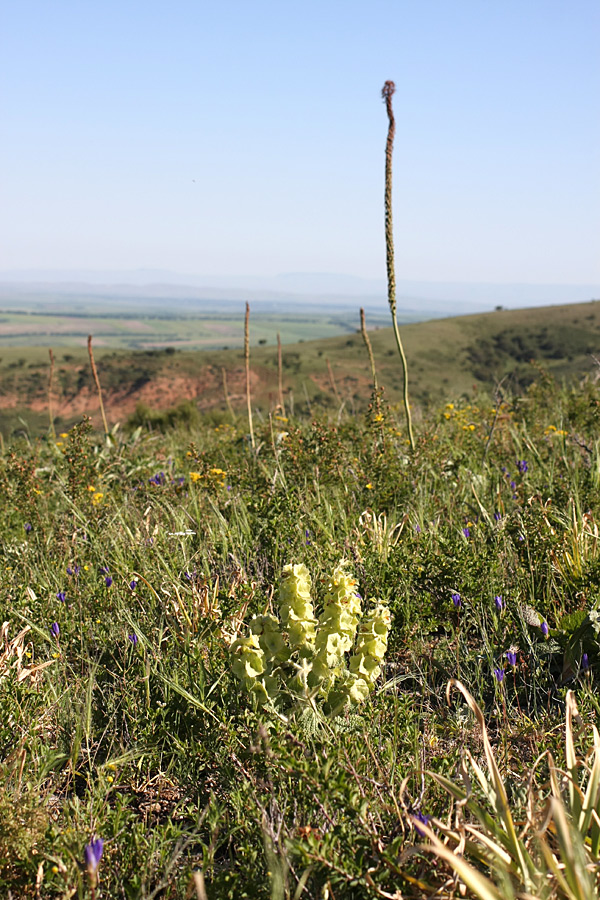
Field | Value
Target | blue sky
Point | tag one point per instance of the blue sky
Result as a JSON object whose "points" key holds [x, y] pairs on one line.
{"points": [[248, 137]]}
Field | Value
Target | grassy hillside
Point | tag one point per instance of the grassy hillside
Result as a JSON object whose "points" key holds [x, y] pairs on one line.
{"points": [[169, 729], [455, 355]]}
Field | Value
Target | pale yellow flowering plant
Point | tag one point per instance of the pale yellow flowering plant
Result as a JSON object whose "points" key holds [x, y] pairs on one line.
{"points": [[299, 659]]}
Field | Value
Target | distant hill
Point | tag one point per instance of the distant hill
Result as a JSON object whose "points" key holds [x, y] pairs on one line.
{"points": [[291, 292], [447, 358]]}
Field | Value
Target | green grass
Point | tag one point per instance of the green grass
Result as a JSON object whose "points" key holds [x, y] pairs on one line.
{"points": [[150, 744]]}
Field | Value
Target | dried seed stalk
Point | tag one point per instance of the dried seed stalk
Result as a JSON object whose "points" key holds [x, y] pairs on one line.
{"points": [[387, 93]]}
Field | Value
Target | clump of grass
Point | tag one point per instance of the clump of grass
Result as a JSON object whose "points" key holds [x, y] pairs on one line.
{"points": [[555, 854]]}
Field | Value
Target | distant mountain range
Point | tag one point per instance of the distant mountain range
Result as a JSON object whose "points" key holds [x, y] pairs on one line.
{"points": [[289, 292]]}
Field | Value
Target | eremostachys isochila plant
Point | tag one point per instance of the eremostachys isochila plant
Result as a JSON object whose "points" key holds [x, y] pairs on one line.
{"points": [[299, 659]]}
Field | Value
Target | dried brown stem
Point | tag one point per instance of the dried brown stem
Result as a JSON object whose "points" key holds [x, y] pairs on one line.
{"points": [[247, 358], [226, 392], [387, 93], [280, 375], [332, 381], [50, 405], [97, 380], [376, 396], [365, 337]]}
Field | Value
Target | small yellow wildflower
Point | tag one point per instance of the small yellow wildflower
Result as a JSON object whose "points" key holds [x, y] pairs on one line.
{"points": [[64, 434], [369, 486], [196, 476], [91, 487], [97, 498]]}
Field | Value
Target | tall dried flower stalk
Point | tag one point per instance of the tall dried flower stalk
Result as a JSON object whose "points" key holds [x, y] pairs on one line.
{"points": [[50, 385], [376, 396], [387, 93], [247, 358], [365, 337], [280, 376], [332, 382], [97, 380], [226, 392]]}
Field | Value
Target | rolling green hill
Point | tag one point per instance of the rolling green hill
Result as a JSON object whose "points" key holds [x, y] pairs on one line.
{"points": [[447, 358]]}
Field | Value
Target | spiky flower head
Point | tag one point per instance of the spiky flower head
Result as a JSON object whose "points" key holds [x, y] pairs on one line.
{"points": [[371, 644], [296, 608]]}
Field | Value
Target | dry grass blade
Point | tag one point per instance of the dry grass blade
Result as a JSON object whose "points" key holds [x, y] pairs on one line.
{"points": [[592, 791], [507, 833], [571, 756], [572, 854], [483, 888]]}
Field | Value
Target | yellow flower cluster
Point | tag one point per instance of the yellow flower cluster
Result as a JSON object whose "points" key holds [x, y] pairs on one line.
{"points": [[300, 659], [97, 496], [469, 417], [225, 431], [215, 477]]}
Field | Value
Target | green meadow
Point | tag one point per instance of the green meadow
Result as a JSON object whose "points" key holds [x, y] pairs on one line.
{"points": [[140, 330], [413, 716]]}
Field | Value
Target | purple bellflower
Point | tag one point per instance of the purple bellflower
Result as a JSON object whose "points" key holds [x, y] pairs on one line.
{"points": [[423, 819], [92, 855]]}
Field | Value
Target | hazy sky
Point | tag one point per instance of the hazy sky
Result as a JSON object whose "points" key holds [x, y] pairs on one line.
{"points": [[247, 137]]}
